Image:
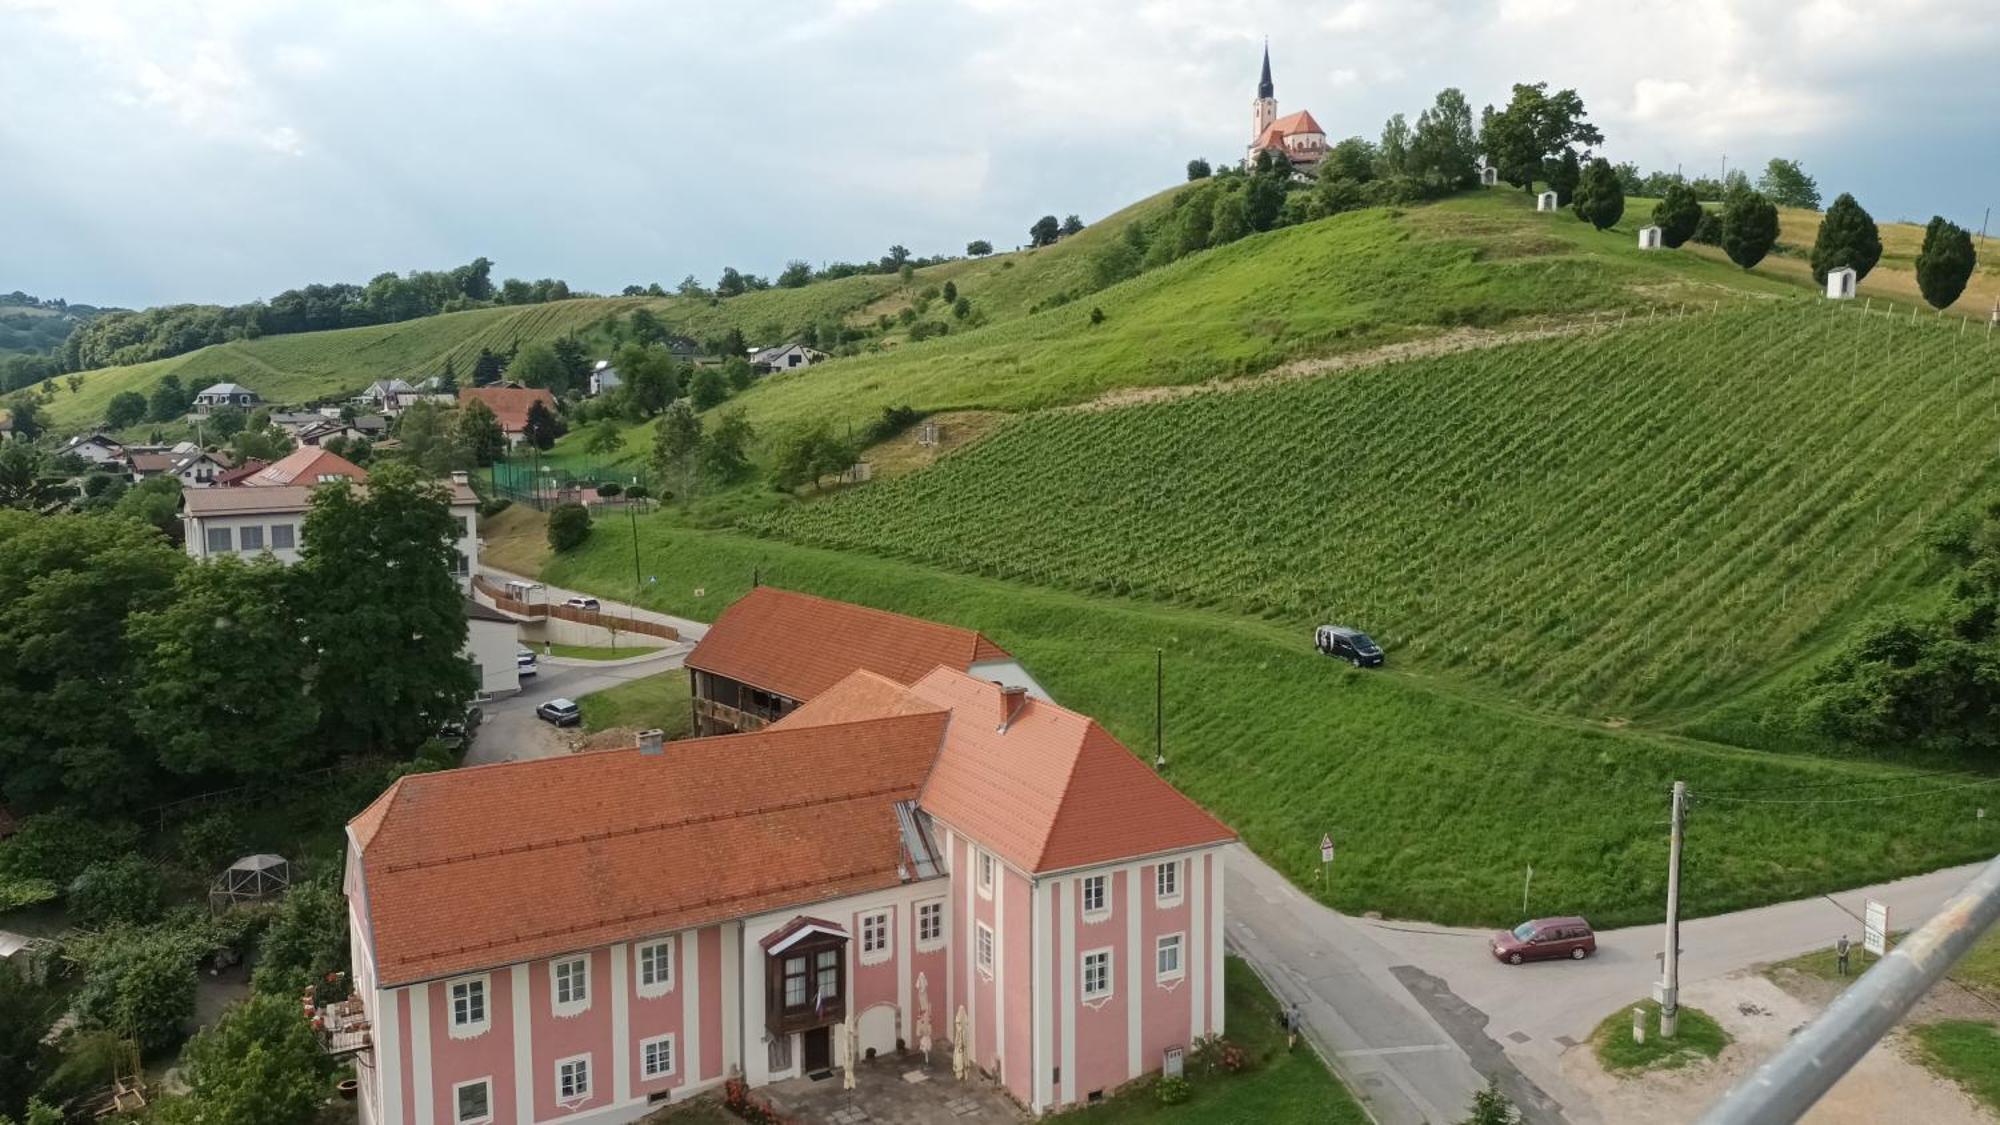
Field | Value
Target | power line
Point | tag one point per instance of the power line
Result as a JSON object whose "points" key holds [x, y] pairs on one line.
{"points": [[1926, 792], [1914, 775]]}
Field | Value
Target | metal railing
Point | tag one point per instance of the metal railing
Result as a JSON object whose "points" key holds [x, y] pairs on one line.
{"points": [[1789, 1082]]}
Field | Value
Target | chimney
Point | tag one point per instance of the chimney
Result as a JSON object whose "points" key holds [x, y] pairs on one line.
{"points": [[1012, 699], [649, 740]]}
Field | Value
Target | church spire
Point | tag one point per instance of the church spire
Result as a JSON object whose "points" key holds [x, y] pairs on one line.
{"points": [[1264, 89]]}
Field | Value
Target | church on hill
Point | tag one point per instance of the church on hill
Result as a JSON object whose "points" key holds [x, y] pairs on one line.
{"points": [[1295, 136]]}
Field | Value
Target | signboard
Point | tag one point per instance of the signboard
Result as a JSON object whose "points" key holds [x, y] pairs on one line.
{"points": [[1875, 928], [1326, 848]]}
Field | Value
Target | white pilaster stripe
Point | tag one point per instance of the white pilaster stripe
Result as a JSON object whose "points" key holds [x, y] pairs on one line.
{"points": [[621, 1023], [420, 1052], [971, 961], [1197, 961], [524, 1048], [1135, 1000], [951, 940], [389, 1055], [1215, 914], [1066, 895], [904, 938], [690, 1040], [732, 997], [1000, 877], [1040, 1009]]}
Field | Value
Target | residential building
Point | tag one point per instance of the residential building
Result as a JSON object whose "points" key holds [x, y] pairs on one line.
{"points": [[201, 468], [306, 465], [510, 405], [245, 521], [784, 357], [684, 348], [604, 377], [387, 395], [773, 649], [146, 461], [583, 937], [1296, 136], [492, 641], [224, 394], [97, 448], [240, 473]]}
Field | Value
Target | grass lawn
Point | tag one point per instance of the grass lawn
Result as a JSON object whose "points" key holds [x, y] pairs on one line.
{"points": [[515, 540], [656, 701], [1965, 1051], [1698, 1037], [1281, 1087]]}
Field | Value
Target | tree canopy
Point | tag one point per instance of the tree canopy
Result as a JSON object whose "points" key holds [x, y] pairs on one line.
{"points": [[1945, 263], [1600, 197], [1536, 127], [1847, 237], [1787, 185], [1045, 231], [1677, 214], [1749, 227]]}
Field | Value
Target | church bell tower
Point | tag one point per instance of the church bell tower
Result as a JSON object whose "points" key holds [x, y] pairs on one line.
{"points": [[1265, 109]]}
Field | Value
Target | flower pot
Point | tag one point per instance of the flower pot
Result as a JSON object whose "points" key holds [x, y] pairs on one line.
{"points": [[348, 1088]]}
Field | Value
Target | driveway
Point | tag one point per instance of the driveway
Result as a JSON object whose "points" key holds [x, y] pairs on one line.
{"points": [[510, 731]]}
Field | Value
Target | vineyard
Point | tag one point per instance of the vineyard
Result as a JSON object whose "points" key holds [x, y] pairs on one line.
{"points": [[1623, 521]]}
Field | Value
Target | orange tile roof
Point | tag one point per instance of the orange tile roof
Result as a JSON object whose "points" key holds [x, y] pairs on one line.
{"points": [[798, 645], [509, 404], [306, 465], [1300, 122], [862, 695], [1053, 790], [474, 868]]}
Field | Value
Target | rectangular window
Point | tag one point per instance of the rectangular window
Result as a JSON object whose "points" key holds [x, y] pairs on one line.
{"points": [[930, 923], [983, 949], [1096, 894], [220, 541], [458, 564], [572, 985], [986, 873], [656, 967], [282, 537], [826, 970], [472, 1102], [253, 538], [1167, 881], [573, 1079], [1097, 974], [468, 1003], [875, 946], [1167, 957], [656, 1057], [795, 982]]}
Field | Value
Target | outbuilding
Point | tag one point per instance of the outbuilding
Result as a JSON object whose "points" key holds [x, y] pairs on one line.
{"points": [[1649, 238], [1840, 283], [1546, 201]]}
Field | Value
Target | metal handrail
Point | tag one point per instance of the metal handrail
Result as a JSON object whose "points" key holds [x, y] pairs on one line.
{"points": [[1790, 1081]]}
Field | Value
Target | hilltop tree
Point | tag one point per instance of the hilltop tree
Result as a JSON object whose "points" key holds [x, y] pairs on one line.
{"points": [[1563, 174], [1677, 214], [383, 611], [978, 248], [1071, 224], [677, 447], [795, 275], [1600, 198], [1945, 263], [1749, 227], [725, 451], [1787, 185], [126, 408], [1198, 169], [1847, 237], [541, 427], [731, 283], [1535, 128], [479, 434], [1352, 159], [1444, 150], [1045, 231], [1392, 155]]}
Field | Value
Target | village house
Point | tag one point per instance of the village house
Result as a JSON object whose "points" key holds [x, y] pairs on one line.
{"points": [[224, 394], [96, 448], [604, 377], [773, 649], [891, 864], [306, 465], [201, 468], [510, 405], [386, 395], [784, 357]]}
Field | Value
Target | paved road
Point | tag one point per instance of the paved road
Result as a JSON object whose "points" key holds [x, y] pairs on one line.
{"points": [[689, 630]]}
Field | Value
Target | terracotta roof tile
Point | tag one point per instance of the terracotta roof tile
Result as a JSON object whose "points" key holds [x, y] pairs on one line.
{"points": [[798, 645], [509, 404], [472, 868], [306, 465], [862, 695]]}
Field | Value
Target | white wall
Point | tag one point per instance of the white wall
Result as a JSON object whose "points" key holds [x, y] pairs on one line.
{"points": [[492, 645], [197, 534], [467, 516]]}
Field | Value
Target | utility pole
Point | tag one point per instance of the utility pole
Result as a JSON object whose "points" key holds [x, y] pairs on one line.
{"points": [[1670, 962], [1159, 709]]}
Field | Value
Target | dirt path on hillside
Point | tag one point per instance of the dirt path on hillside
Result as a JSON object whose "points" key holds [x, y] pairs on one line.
{"points": [[1452, 342]]}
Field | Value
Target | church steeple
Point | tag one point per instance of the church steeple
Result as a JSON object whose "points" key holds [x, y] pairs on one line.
{"points": [[1264, 109], [1264, 89]]}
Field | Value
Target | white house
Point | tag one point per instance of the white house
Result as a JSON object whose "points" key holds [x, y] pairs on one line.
{"points": [[225, 394], [98, 449], [1546, 201], [492, 638], [784, 357], [200, 468], [1840, 283], [604, 377]]}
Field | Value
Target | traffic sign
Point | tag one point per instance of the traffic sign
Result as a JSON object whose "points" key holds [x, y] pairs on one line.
{"points": [[1326, 848], [1875, 928]]}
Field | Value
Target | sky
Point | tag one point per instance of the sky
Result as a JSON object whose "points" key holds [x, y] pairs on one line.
{"points": [[154, 152]]}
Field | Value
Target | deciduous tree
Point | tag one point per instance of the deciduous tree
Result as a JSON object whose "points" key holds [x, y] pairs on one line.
{"points": [[259, 1066], [537, 365], [569, 526], [725, 451], [710, 387], [1535, 128], [1444, 147], [1045, 231], [1198, 169], [1787, 185], [677, 447], [126, 408], [978, 248]]}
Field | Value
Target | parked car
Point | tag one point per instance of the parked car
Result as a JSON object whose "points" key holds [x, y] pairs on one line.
{"points": [[524, 662], [457, 733], [1351, 645], [581, 603], [1545, 939], [561, 712]]}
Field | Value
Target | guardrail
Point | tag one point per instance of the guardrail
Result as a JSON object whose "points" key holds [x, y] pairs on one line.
{"points": [[513, 605]]}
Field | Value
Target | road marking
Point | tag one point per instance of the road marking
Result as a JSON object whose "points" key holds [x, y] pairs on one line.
{"points": [[1415, 1049]]}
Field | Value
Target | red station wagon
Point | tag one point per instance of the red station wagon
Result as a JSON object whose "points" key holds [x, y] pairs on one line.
{"points": [[1545, 939]]}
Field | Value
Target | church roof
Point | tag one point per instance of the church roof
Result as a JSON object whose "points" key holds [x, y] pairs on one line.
{"points": [[1264, 87]]}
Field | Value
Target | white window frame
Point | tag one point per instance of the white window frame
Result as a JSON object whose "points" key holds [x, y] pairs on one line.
{"points": [[1178, 943], [1102, 995], [208, 537], [673, 1057], [983, 949], [488, 1118], [1169, 871], [589, 1081], [1102, 910], [937, 940], [291, 542], [468, 1029], [884, 939], [987, 868], [641, 963], [573, 1006], [246, 533]]}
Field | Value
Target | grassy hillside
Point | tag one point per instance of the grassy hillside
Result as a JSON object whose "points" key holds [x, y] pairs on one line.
{"points": [[1622, 521]]}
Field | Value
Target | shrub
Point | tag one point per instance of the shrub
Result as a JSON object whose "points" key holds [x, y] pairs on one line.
{"points": [[57, 846], [1677, 215], [110, 891], [1173, 1090], [1708, 229], [140, 983], [306, 944], [569, 526], [209, 840], [16, 893], [259, 1066], [611, 490]]}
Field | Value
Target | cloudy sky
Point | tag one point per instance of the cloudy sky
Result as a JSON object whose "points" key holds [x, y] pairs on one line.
{"points": [[222, 151]]}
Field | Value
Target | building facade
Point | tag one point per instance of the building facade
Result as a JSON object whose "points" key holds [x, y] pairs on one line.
{"points": [[1296, 137], [258, 516]]}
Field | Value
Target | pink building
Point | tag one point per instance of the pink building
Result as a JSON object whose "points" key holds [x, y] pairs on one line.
{"points": [[581, 938]]}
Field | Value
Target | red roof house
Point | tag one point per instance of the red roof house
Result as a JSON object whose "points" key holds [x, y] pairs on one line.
{"points": [[509, 404]]}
